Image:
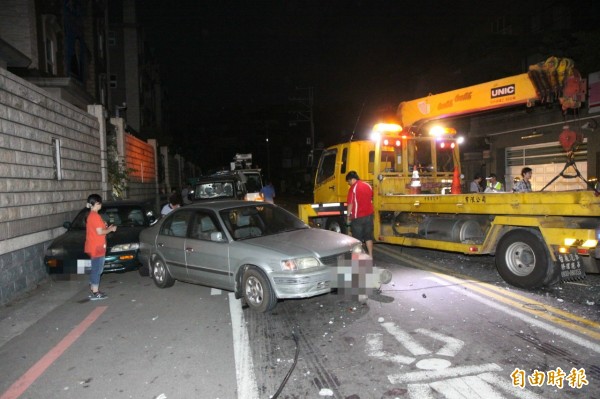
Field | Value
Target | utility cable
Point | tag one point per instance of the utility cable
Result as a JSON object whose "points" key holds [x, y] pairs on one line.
{"points": [[289, 373]]}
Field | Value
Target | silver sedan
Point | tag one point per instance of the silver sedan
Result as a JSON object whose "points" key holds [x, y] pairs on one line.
{"points": [[259, 251]]}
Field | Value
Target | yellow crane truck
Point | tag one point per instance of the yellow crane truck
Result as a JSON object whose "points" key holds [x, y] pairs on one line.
{"points": [[537, 238]]}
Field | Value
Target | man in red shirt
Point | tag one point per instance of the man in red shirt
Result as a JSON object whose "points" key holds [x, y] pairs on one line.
{"points": [[360, 210]]}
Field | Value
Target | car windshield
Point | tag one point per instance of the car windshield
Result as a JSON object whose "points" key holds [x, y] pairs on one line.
{"points": [[214, 190], [122, 215], [259, 221]]}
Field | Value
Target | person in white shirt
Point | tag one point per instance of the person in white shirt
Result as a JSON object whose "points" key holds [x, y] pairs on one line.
{"points": [[174, 203], [524, 185]]}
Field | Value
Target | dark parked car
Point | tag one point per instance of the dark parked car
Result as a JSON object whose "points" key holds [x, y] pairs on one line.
{"points": [[257, 250], [65, 254]]}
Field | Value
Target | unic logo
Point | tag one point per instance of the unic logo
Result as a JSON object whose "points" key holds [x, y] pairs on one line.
{"points": [[502, 91]]}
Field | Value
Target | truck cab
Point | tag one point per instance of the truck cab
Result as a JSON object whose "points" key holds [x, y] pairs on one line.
{"points": [[253, 181], [331, 189], [335, 163]]}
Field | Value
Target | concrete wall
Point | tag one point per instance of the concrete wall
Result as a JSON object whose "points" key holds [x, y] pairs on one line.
{"points": [[34, 201], [172, 165]]}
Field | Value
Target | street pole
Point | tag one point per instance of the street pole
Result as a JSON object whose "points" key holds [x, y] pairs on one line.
{"points": [[268, 155], [305, 113]]}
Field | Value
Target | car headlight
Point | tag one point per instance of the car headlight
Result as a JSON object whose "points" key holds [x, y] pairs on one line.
{"points": [[299, 263], [133, 246], [52, 252], [358, 249]]}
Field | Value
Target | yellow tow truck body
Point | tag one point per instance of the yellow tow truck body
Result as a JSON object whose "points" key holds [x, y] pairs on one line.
{"points": [[538, 238]]}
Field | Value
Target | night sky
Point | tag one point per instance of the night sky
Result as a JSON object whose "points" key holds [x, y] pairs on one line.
{"points": [[221, 60], [254, 51]]}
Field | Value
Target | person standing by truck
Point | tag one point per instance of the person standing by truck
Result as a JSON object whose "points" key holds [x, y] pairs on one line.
{"points": [[360, 210], [524, 185], [493, 185], [475, 186]]}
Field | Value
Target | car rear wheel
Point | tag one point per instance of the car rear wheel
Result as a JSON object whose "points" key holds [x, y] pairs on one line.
{"points": [[258, 292], [160, 274]]}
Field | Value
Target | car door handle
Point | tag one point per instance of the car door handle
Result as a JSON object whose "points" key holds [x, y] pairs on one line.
{"points": [[160, 244], [188, 249], [332, 187]]}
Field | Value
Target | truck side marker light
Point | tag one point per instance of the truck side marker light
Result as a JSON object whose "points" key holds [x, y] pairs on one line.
{"points": [[328, 213], [473, 249]]}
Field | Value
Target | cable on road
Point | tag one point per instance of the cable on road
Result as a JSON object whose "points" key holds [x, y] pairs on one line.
{"points": [[289, 373]]}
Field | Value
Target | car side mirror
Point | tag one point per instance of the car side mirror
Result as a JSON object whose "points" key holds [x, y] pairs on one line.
{"points": [[216, 236]]}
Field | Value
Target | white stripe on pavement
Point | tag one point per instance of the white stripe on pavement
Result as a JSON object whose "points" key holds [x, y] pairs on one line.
{"points": [[244, 366]]}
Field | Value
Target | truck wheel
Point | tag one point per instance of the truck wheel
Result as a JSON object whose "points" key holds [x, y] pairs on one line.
{"points": [[337, 225], [257, 291], [523, 260], [160, 274]]}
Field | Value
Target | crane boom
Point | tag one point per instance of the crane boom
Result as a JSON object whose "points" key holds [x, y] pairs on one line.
{"points": [[554, 79]]}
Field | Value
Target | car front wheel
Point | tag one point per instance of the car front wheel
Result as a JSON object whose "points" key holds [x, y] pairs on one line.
{"points": [[258, 292], [160, 274], [144, 270]]}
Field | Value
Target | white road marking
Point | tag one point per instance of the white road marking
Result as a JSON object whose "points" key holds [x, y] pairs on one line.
{"points": [[406, 339], [436, 378], [496, 380], [375, 349], [466, 387], [420, 391], [445, 373], [433, 364], [244, 366], [511, 312], [452, 347]]}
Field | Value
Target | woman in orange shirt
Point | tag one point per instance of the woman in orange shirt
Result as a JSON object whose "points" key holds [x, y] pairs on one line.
{"points": [[95, 244]]}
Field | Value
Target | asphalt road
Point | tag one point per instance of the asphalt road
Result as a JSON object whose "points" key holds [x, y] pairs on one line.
{"points": [[445, 327]]}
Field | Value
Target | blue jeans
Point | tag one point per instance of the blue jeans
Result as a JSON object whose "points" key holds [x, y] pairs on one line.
{"points": [[97, 269]]}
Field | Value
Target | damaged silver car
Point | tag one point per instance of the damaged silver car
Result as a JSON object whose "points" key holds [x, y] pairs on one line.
{"points": [[259, 251]]}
